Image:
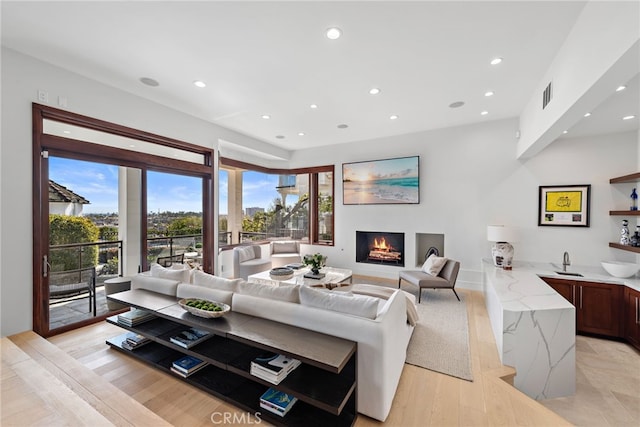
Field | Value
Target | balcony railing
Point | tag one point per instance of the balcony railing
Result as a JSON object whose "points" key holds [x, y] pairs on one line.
{"points": [[172, 245], [105, 256]]}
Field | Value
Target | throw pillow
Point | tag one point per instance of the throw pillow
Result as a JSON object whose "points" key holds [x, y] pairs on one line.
{"points": [[357, 305], [433, 265], [200, 278], [284, 247], [246, 253], [168, 273], [282, 293]]}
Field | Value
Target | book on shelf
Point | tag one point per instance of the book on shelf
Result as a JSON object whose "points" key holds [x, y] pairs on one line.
{"points": [[135, 316], [277, 402], [273, 367], [189, 337], [186, 375], [133, 341], [188, 365]]}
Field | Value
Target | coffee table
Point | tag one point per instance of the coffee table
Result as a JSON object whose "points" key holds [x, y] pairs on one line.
{"points": [[333, 278]]}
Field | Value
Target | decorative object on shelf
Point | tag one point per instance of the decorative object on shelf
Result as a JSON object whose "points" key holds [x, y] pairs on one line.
{"points": [[204, 308], [502, 251], [315, 262], [620, 269], [564, 205], [624, 233], [635, 239], [389, 181], [281, 273], [634, 200]]}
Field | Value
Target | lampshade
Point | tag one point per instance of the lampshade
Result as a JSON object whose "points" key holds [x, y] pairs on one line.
{"points": [[501, 233]]}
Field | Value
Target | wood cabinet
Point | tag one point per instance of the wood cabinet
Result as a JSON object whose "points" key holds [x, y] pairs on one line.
{"points": [[632, 317], [598, 305], [325, 382]]}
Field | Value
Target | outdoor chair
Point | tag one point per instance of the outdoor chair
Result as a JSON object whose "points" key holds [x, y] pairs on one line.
{"points": [[70, 283], [166, 261]]}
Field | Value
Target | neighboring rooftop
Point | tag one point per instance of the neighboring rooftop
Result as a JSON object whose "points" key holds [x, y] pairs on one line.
{"points": [[60, 193]]}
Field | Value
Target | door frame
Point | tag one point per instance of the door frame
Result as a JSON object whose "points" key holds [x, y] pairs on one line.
{"points": [[84, 150]]}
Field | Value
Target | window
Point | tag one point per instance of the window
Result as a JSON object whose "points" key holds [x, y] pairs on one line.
{"points": [[276, 204]]}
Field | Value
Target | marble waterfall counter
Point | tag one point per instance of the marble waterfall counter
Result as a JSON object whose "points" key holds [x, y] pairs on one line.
{"points": [[535, 331]]}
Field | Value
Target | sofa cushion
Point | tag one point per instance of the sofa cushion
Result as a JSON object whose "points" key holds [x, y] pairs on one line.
{"points": [[284, 247], [186, 290], [201, 278], [282, 293], [169, 273], [155, 284], [357, 305], [245, 253], [433, 265]]}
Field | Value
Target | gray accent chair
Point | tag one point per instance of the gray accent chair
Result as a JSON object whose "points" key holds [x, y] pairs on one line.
{"points": [[247, 260], [446, 279]]}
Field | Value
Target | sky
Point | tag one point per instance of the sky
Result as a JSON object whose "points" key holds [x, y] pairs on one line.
{"points": [[98, 183]]}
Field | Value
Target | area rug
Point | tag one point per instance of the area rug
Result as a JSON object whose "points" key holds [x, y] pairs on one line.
{"points": [[440, 340]]}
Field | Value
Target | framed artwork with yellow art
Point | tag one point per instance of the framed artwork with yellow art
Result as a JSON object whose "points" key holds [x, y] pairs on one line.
{"points": [[564, 205]]}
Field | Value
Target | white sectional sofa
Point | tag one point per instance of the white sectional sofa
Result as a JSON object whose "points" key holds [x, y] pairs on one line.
{"points": [[381, 330]]}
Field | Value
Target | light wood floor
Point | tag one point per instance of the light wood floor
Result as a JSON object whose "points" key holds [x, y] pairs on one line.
{"points": [[75, 379]]}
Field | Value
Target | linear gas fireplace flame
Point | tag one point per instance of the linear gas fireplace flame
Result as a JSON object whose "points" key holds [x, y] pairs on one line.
{"points": [[380, 248]]}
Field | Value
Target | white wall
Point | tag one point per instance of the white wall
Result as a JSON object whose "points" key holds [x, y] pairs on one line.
{"points": [[470, 178]]}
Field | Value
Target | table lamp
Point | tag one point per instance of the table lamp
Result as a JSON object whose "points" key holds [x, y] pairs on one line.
{"points": [[502, 251]]}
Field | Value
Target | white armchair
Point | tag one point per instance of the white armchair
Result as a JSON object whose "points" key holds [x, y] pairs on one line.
{"points": [[285, 252], [247, 260]]}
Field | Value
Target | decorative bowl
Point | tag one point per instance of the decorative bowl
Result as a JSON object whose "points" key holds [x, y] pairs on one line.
{"points": [[620, 269], [281, 273], [224, 308]]}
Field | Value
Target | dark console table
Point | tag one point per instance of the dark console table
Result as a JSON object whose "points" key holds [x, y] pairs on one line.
{"points": [[325, 382]]}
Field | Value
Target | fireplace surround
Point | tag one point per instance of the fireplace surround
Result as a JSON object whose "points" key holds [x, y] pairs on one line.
{"points": [[380, 247]]}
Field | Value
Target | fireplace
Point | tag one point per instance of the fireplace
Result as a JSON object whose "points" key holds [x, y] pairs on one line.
{"points": [[380, 247]]}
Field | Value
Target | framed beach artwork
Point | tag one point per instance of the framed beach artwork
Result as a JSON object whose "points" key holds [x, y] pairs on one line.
{"points": [[564, 205], [389, 181]]}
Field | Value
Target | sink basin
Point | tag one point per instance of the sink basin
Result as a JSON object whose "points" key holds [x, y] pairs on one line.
{"points": [[620, 269], [568, 273]]}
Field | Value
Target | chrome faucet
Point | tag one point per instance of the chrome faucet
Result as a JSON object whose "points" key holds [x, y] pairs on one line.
{"points": [[565, 261]]}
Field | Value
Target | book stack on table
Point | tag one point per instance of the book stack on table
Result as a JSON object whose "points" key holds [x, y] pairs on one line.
{"points": [[277, 402], [189, 337], [134, 317], [273, 367], [187, 365], [134, 341]]}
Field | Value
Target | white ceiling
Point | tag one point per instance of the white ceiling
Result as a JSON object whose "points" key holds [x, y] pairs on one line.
{"points": [[273, 58]]}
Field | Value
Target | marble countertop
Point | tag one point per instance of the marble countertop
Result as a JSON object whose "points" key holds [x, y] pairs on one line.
{"points": [[521, 288]]}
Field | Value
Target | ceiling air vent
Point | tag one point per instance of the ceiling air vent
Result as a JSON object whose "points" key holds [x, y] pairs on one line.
{"points": [[546, 96]]}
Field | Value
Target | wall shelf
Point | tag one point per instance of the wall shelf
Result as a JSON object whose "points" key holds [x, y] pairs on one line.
{"points": [[625, 247], [628, 213], [634, 177]]}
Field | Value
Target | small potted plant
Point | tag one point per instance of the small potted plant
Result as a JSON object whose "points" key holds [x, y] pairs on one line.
{"points": [[315, 261]]}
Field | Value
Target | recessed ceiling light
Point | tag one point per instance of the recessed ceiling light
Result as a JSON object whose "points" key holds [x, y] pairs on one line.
{"points": [[149, 81], [587, 114], [565, 131], [67, 132], [628, 117], [489, 93], [280, 136], [300, 133], [374, 91], [484, 113], [621, 88], [132, 146], [313, 106], [343, 126], [456, 104], [333, 33], [200, 83], [393, 117], [266, 116], [496, 61]]}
